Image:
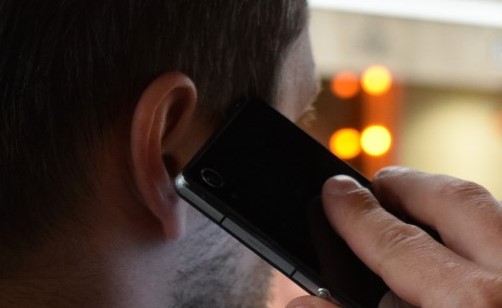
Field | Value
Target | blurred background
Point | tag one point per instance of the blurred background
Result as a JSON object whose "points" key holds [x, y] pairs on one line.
{"points": [[409, 82]]}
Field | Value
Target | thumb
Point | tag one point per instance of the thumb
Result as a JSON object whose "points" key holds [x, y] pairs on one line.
{"points": [[310, 302]]}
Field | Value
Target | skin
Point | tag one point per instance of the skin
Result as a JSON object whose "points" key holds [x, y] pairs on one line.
{"points": [[138, 244], [464, 272]]}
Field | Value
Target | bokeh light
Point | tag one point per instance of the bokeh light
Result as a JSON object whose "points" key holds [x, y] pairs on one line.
{"points": [[345, 143], [376, 80], [345, 84], [376, 140]]}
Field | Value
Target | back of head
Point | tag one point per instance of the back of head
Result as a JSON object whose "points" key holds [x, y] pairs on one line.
{"points": [[69, 68]]}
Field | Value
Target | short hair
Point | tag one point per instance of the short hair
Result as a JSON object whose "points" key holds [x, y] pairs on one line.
{"points": [[68, 68]]}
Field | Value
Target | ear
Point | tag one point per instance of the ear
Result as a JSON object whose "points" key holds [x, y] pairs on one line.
{"points": [[161, 124]]}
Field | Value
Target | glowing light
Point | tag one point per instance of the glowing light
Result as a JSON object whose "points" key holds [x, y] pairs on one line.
{"points": [[376, 80], [376, 140], [345, 143], [345, 85]]}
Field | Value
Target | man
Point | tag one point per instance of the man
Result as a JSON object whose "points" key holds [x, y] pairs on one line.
{"points": [[102, 104]]}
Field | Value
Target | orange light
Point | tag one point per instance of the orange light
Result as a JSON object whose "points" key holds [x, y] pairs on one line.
{"points": [[345, 84], [376, 80], [345, 143], [376, 140]]}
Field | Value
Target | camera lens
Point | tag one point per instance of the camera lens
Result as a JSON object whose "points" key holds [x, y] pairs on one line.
{"points": [[211, 177]]}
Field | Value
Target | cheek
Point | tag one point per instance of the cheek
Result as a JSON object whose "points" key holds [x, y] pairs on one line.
{"points": [[296, 107], [298, 89], [291, 110], [293, 99]]}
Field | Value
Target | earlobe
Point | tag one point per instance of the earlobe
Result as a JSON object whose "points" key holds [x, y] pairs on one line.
{"points": [[161, 122]]}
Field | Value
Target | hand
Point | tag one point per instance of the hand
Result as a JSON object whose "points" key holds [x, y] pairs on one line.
{"points": [[464, 272]]}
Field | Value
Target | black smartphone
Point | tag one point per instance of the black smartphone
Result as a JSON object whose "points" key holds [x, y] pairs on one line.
{"points": [[260, 178]]}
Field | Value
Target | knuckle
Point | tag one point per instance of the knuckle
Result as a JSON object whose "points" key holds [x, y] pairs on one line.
{"points": [[400, 237], [488, 290], [475, 200], [460, 189], [472, 290], [483, 290]]}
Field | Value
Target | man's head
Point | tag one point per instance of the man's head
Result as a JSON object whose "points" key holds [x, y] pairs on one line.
{"points": [[69, 69], [93, 93]]}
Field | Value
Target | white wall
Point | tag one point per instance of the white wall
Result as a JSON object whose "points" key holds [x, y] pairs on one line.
{"points": [[454, 133]]}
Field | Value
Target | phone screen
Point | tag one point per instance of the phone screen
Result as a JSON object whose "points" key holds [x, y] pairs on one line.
{"points": [[260, 178]]}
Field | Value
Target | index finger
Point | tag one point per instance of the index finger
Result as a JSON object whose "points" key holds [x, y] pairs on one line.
{"points": [[467, 216], [414, 265]]}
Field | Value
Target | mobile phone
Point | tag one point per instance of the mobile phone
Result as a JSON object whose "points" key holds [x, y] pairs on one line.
{"points": [[260, 178]]}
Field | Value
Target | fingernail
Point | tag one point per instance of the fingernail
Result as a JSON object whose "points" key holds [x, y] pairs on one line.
{"points": [[388, 170], [301, 303], [341, 185]]}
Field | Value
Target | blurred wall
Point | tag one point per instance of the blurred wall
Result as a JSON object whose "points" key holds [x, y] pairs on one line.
{"points": [[451, 79], [454, 132]]}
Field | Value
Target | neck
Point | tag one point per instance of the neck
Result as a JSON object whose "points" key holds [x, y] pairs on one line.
{"points": [[205, 267], [117, 257], [91, 275], [77, 267]]}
